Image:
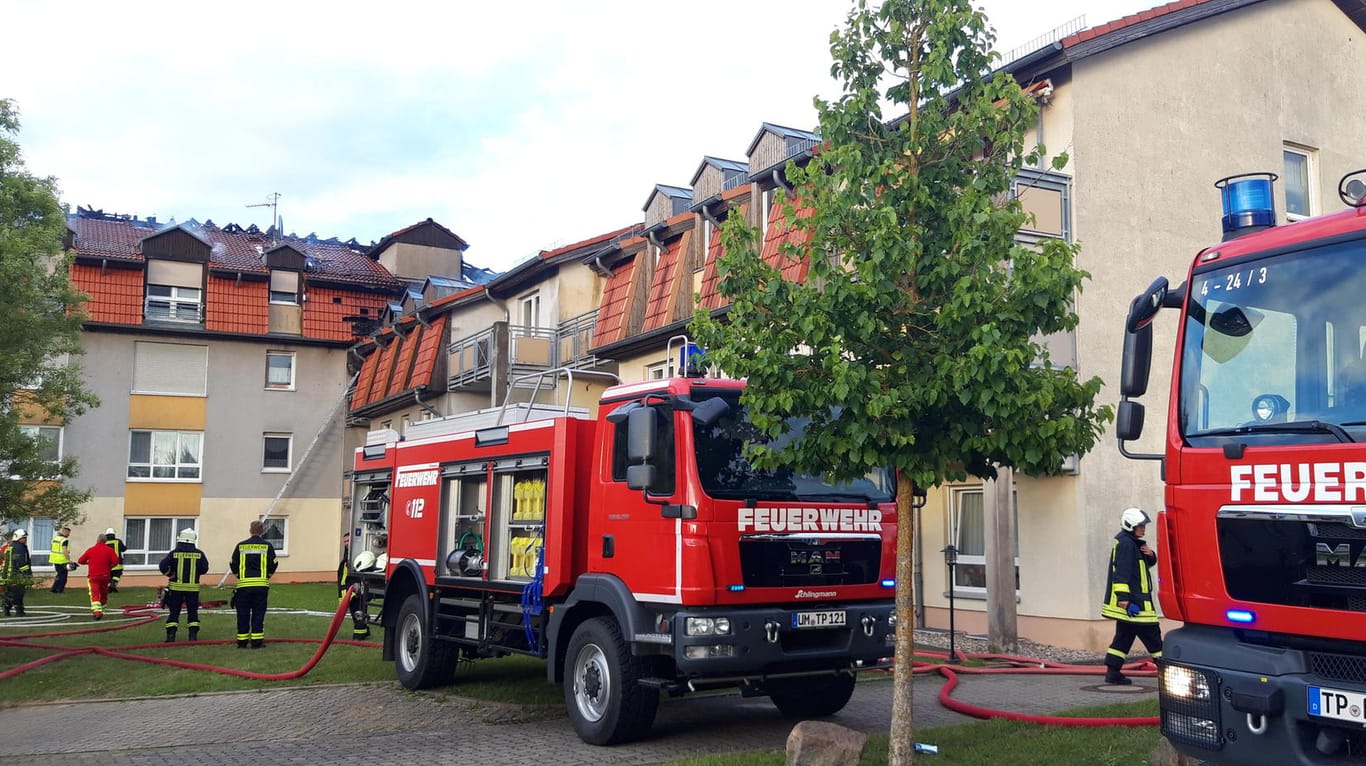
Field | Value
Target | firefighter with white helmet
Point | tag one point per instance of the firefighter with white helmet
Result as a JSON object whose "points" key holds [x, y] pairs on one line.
{"points": [[1129, 595], [16, 572], [184, 565]]}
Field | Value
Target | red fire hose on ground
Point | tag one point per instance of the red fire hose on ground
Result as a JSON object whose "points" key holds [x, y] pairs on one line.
{"points": [[1004, 663], [144, 616]]}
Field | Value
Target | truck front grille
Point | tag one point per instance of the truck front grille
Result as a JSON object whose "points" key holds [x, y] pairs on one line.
{"points": [[1294, 562], [1337, 667], [770, 561]]}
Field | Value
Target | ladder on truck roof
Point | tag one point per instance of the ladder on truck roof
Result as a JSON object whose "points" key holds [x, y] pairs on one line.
{"points": [[509, 412]]}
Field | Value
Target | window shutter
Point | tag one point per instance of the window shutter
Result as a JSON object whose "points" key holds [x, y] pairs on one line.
{"points": [[175, 273], [170, 368], [284, 282]]}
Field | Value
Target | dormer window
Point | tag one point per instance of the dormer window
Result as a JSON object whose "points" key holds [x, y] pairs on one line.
{"points": [[284, 287], [175, 291]]}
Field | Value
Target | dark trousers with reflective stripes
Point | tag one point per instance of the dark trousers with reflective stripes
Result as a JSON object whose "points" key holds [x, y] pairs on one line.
{"points": [[251, 613], [189, 599], [1150, 633], [59, 581]]}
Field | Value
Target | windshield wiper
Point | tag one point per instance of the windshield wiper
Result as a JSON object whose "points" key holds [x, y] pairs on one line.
{"points": [[1292, 427]]}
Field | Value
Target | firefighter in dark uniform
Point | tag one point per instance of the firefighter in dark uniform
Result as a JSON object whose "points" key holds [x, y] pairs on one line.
{"points": [[60, 559], [1129, 595], [184, 565], [111, 539], [16, 572], [253, 562], [360, 623]]}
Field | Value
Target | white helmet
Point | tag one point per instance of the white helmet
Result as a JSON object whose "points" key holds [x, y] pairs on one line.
{"points": [[187, 535], [1133, 517], [382, 561], [19, 534], [110, 531], [363, 562]]}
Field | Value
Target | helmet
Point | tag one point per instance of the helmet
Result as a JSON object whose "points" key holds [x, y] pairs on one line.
{"points": [[187, 535], [110, 531], [363, 562], [382, 561], [1133, 517], [19, 534]]}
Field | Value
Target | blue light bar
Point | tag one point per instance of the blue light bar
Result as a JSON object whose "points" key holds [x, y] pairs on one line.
{"points": [[735, 588], [1247, 201], [1240, 615], [889, 583]]}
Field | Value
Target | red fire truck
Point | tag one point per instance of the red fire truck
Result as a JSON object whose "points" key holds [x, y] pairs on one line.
{"points": [[638, 551], [1261, 541]]}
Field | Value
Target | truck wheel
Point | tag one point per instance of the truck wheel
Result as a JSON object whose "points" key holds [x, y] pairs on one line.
{"points": [[811, 697], [421, 660], [602, 689]]}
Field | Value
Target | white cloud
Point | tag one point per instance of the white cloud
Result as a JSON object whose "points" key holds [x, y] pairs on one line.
{"points": [[516, 125]]}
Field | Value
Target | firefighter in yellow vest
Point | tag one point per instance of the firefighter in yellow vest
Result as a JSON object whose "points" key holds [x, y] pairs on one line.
{"points": [[1129, 595], [111, 538], [60, 558], [184, 565]]}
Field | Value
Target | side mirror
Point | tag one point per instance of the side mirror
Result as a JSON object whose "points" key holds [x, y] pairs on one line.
{"points": [[1129, 421], [641, 430], [1146, 305], [710, 411], [1137, 361]]}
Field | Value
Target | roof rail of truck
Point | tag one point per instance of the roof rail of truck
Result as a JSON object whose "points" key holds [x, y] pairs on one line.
{"points": [[540, 377]]}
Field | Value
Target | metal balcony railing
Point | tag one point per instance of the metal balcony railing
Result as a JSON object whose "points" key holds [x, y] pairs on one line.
{"points": [[575, 338], [471, 359]]}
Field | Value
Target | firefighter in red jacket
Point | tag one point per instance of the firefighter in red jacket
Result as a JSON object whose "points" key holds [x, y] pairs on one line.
{"points": [[1129, 595], [101, 559]]}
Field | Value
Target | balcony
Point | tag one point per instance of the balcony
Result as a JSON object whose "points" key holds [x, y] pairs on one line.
{"points": [[486, 360]]}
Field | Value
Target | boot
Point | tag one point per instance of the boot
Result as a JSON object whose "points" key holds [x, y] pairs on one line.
{"points": [[241, 644], [257, 643], [194, 632], [1116, 678], [170, 633], [19, 611]]}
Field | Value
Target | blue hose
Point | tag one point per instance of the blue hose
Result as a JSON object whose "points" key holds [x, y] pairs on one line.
{"points": [[531, 599]]}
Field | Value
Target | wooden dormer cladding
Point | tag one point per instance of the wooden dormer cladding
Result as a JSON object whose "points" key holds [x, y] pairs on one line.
{"points": [[177, 244], [665, 202], [715, 176], [773, 146], [619, 300], [669, 290], [287, 287]]}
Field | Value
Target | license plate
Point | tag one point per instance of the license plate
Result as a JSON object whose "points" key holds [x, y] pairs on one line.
{"points": [[827, 619], [1338, 704]]}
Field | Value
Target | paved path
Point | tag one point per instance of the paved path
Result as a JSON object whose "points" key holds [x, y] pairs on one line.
{"points": [[377, 724]]}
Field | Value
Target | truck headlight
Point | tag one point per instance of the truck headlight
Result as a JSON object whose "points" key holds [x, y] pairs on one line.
{"points": [[1184, 683], [707, 626], [708, 651]]}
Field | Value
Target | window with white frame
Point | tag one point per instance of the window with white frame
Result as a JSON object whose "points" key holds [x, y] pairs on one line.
{"points": [[659, 371], [284, 287], [40, 531], [276, 454], [275, 531], [280, 370], [531, 310], [150, 538], [165, 455], [968, 533], [173, 304], [49, 439], [1299, 176]]}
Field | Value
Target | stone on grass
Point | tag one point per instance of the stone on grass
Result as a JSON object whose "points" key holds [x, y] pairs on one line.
{"points": [[821, 743]]}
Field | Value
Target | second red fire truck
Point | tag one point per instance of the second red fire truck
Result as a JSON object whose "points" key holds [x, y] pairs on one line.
{"points": [[635, 549]]}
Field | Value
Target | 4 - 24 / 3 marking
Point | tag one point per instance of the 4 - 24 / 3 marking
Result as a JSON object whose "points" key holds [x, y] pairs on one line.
{"points": [[1234, 280]]}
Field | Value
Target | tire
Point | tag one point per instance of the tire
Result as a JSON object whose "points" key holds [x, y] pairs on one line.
{"points": [[811, 697], [421, 661], [602, 691]]}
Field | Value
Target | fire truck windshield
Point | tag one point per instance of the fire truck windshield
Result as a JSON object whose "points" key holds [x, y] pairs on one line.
{"points": [[1273, 349], [727, 473]]}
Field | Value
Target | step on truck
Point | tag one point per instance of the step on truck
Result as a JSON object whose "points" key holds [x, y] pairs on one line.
{"points": [[634, 548], [1262, 538]]}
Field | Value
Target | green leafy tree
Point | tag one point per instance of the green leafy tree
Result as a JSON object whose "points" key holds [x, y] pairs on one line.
{"points": [[40, 380], [913, 340]]}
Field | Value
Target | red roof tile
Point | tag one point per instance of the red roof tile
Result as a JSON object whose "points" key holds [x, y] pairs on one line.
{"points": [[546, 254], [406, 345], [233, 307], [326, 309], [1091, 33], [710, 296], [428, 352], [779, 233], [361, 396], [616, 305], [115, 295], [665, 289]]}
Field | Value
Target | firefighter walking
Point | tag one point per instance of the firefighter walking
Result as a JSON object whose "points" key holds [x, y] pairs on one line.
{"points": [[360, 621], [60, 558], [16, 572], [101, 560], [1129, 595], [111, 538], [184, 565], [253, 562]]}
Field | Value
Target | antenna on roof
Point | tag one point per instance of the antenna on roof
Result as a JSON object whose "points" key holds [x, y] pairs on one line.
{"points": [[272, 202]]}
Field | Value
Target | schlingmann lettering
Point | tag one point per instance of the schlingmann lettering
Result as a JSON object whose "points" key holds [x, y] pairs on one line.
{"points": [[1299, 482], [810, 520], [418, 479]]}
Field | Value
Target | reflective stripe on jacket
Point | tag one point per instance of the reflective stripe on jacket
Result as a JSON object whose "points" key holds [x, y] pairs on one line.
{"points": [[253, 562], [185, 564], [58, 556], [1129, 581]]}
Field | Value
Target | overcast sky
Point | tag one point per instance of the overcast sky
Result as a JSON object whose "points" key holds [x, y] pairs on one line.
{"points": [[518, 125]]}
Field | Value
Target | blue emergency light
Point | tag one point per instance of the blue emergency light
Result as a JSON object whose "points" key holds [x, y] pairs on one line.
{"points": [[1244, 616], [690, 360], [1247, 201], [889, 583]]}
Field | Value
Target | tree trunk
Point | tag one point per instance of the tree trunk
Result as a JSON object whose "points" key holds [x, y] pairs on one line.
{"points": [[998, 506], [901, 748]]}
